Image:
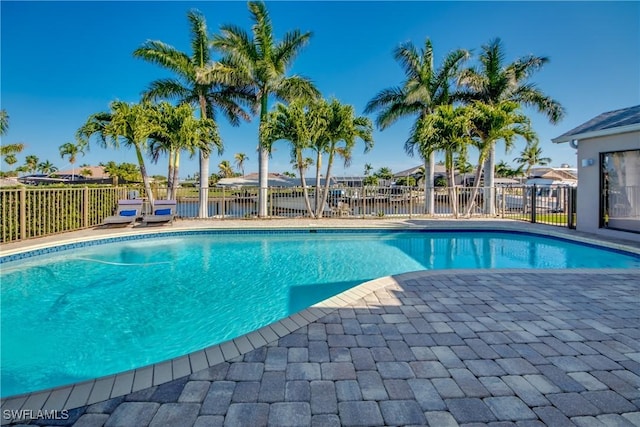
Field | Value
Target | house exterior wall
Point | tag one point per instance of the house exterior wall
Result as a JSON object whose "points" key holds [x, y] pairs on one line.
{"points": [[588, 203]]}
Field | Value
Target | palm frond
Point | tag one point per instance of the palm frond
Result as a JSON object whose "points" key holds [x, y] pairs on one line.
{"points": [[199, 39], [293, 87], [287, 50], [262, 29], [166, 56], [166, 89], [529, 95]]}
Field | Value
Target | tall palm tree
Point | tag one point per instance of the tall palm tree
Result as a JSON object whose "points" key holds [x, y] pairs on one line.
{"points": [[198, 82], [493, 82], [239, 159], [127, 124], [423, 89], [491, 124], [263, 63], [447, 129], [367, 169], [343, 128], [31, 163], [532, 156], [299, 125], [72, 151], [179, 130]]}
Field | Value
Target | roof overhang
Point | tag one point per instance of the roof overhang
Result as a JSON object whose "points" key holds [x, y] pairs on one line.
{"points": [[597, 133]]}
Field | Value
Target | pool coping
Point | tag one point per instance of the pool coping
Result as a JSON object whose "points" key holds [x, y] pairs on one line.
{"points": [[103, 388]]}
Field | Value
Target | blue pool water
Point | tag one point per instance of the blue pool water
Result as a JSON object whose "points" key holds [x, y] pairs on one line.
{"points": [[97, 310]]}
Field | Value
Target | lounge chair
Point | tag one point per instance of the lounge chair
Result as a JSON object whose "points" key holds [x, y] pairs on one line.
{"points": [[128, 212], [164, 212]]}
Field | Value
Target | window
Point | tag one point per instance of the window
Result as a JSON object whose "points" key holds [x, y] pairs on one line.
{"points": [[620, 190]]}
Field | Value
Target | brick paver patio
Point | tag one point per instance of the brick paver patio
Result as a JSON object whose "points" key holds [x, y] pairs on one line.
{"points": [[438, 348]]}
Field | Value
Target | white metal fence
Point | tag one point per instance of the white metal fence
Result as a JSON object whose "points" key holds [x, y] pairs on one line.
{"points": [[35, 212]]}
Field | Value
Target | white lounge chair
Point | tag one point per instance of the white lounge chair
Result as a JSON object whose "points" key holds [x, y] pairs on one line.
{"points": [[128, 212], [163, 213]]}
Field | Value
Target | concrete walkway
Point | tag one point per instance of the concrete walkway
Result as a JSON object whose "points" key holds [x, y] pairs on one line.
{"points": [[440, 348]]}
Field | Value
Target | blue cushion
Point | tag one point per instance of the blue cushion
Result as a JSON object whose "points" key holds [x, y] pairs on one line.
{"points": [[163, 212], [128, 213]]}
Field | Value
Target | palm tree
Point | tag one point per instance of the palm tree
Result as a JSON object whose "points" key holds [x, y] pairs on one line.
{"points": [[47, 167], [384, 173], [494, 82], [127, 172], [71, 150], [240, 158], [128, 124], [226, 170], [367, 169], [532, 156], [9, 152], [491, 124], [342, 129], [423, 89], [299, 125], [179, 130], [31, 163], [10, 159], [263, 63], [505, 170], [199, 82], [448, 129]]}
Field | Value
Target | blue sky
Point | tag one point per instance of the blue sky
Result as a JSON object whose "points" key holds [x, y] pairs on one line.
{"points": [[63, 61]]}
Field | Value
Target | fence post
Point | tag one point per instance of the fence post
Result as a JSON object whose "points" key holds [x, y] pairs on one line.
{"points": [[364, 201], [534, 191], [571, 208], [224, 205], [85, 207], [410, 202], [23, 214]]}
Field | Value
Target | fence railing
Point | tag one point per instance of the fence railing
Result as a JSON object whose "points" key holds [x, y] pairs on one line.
{"points": [[35, 212]]}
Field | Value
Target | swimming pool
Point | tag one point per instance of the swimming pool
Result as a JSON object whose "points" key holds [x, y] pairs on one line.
{"points": [[107, 307]]}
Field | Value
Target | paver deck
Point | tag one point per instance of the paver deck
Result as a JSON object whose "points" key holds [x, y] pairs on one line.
{"points": [[439, 348]]}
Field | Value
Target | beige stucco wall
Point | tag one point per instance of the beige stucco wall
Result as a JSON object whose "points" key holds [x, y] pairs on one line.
{"points": [[588, 206]]}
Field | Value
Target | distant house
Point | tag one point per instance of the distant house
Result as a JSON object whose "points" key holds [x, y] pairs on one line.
{"points": [[96, 172], [609, 168], [275, 180], [79, 175], [439, 172]]}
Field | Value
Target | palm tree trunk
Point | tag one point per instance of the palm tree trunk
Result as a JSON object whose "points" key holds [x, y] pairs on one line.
{"points": [[451, 178], [429, 169], [489, 183], [325, 193], [203, 197], [145, 178], [170, 174], [316, 196], [263, 162], [176, 175], [303, 181], [476, 181]]}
